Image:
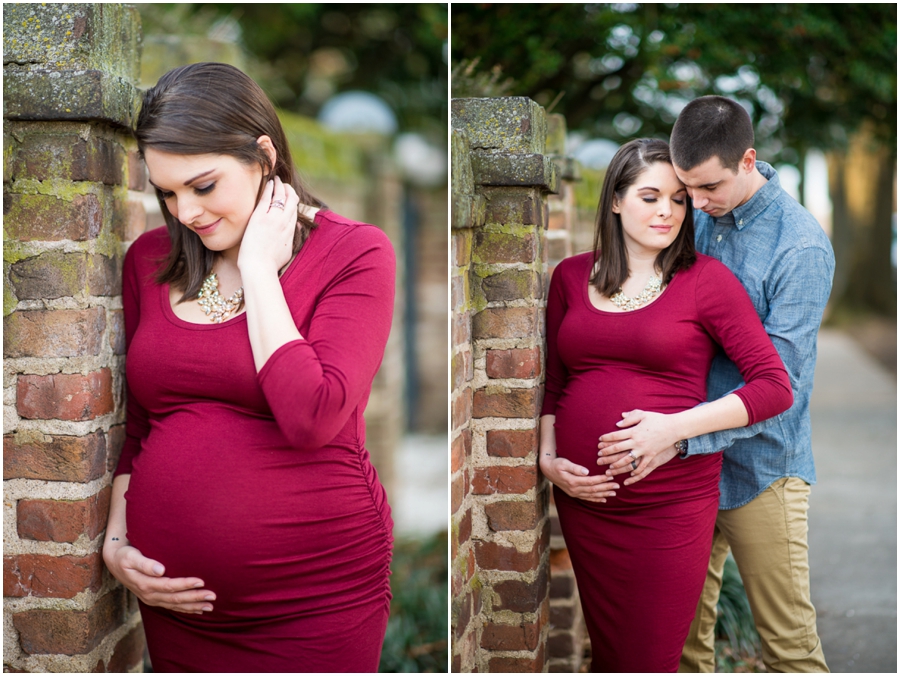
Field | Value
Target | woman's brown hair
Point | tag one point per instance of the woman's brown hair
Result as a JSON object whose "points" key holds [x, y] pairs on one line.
{"points": [[213, 108], [611, 268]]}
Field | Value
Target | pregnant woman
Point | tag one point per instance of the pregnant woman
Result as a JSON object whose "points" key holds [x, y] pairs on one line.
{"points": [[634, 325], [245, 515]]}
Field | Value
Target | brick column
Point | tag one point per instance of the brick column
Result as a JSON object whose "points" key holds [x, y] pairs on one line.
{"points": [[69, 74], [500, 522]]}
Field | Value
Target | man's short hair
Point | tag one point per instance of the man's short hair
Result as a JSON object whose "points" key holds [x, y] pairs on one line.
{"points": [[711, 126]]}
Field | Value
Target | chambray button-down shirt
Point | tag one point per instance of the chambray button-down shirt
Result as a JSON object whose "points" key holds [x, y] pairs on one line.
{"points": [[786, 263]]}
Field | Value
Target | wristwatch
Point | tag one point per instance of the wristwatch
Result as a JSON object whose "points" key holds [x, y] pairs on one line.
{"points": [[682, 447]]}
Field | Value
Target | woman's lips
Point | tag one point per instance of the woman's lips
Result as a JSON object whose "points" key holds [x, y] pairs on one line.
{"points": [[207, 229], [662, 228]]}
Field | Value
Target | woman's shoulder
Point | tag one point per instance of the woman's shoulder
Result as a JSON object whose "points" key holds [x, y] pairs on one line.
{"points": [[709, 270], [341, 240], [149, 248], [152, 241], [574, 266]]}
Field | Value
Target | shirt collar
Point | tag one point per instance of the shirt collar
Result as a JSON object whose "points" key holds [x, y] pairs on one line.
{"points": [[761, 199]]}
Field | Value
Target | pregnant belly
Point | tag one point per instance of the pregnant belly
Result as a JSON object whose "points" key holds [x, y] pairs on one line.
{"points": [[593, 403], [252, 519]]}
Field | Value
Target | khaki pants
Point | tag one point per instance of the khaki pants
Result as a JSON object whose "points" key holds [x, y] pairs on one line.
{"points": [[767, 537]]}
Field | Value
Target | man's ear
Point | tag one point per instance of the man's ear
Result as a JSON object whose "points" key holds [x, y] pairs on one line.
{"points": [[748, 161], [266, 144]]}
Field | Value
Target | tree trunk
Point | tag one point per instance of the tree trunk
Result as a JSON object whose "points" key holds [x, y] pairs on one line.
{"points": [[863, 187]]}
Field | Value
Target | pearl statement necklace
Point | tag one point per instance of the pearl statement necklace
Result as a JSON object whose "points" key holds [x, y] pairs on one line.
{"points": [[623, 302], [213, 303]]}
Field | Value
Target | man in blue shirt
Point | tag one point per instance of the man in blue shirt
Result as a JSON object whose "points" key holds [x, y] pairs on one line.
{"points": [[784, 260]]}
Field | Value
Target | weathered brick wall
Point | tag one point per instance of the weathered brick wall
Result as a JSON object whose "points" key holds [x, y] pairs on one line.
{"points": [[500, 524], [69, 75]]}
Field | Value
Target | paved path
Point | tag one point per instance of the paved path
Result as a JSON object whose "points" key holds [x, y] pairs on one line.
{"points": [[853, 508]]}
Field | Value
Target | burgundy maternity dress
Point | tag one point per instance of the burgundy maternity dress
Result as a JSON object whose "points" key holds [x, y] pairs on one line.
{"points": [[640, 559], [260, 484]]}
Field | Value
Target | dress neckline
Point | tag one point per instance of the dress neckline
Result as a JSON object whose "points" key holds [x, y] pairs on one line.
{"points": [[164, 292], [586, 296]]}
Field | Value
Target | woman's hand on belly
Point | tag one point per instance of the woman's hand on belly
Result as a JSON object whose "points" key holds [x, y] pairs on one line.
{"points": [[144, 578], [573, 479], [646, 441]]}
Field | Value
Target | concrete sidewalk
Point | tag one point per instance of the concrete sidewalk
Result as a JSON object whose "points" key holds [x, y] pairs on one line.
{"points": [[853, 508]]}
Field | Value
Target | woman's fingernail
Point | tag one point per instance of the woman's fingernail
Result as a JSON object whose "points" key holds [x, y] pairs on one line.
{"points": [[209, 597], [198, 585], [158, 569], [207, 608]]}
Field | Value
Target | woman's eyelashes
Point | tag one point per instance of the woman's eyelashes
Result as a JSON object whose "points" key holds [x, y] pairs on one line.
{"points": [[205, 190], [678, 200]]}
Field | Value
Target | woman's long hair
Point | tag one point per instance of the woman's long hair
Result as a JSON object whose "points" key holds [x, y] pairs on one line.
{"points": [[610, 257], [213, 108]]}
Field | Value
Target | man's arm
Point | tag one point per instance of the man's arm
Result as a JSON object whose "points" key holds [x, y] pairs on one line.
{"points": [[800, 292]]}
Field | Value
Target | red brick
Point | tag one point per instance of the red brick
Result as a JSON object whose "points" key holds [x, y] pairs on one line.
{"points": [[462, 409], [135, 221], [512, 285], [116, 331], [503, 479], [457, 454], [51, 156], [69, 632], [520, 596], [460, 365], [562, 617], [495, 247], [560, 561], [54, 333], [48, 218], [463, 613], [65, 397], [505, 403], [465, 527], [514, 363], [510, 637], [520, 515], [137, 172], [78, 459], [561, 644], [462, 329], [115, 441], [128, 653], [51, 576], [458, 491], [494, 556], [63, 520], [53, 274], [562, 585], [103, 276], [511, 443], [503, 322]]}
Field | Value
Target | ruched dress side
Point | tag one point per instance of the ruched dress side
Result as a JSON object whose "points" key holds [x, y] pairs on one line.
{"points": [[640, 559], [260, 484]]}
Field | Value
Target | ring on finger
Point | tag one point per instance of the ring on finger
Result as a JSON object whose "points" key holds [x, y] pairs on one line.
{"points": [[278, 204], [634, 460]]}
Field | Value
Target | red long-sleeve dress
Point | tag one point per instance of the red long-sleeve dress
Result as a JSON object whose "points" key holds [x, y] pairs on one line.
{"points": [[640, 559], [260, 483]]}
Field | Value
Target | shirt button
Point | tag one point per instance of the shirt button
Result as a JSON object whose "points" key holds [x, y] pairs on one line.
{"points": [[719, 238], [741, 222]]}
